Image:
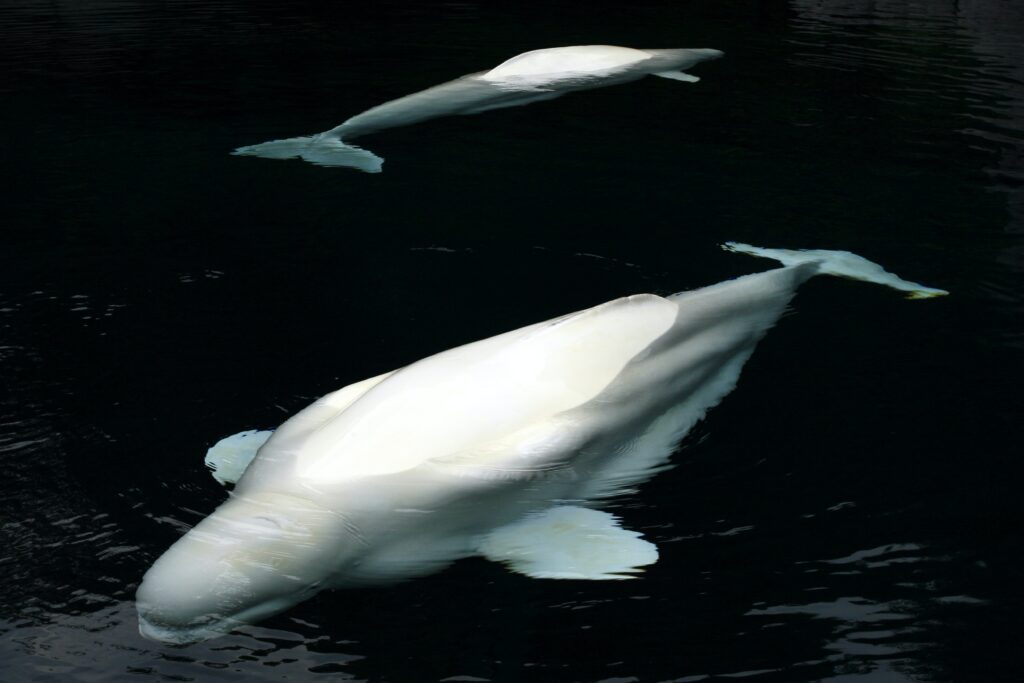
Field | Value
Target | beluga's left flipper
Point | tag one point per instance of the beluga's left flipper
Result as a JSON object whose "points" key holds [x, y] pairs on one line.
{"points": [[228, 458], [530, 77]]}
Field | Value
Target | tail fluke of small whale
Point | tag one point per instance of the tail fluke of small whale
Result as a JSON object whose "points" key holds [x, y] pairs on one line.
{"points": [[841, 264], [322, 150]]}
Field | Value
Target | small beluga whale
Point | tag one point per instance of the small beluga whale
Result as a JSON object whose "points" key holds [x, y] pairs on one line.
{"points": [[504, 448], [530, 77]]}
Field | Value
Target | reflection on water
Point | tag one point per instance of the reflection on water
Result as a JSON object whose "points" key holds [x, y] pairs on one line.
{"points": [[106, 643], [965, 57], [871, 639]]}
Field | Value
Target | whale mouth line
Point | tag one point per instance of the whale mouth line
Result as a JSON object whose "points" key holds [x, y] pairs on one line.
{"points": [[214, 624], [198, 630]]}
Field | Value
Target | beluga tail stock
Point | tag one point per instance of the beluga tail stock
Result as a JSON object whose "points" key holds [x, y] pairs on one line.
{"points": [[524, 79], [503, 448]]}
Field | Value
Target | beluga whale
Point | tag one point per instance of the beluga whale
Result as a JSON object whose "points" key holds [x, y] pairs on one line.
{"points": [[503, 448], [530, 77]]}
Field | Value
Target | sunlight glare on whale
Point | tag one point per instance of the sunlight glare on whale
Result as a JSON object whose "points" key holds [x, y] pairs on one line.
{"points": [[499, 448]]}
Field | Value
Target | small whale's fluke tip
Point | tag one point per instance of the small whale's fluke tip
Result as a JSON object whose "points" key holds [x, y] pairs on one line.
{"points": [[316, 149], [841, 264], [927, 293]]}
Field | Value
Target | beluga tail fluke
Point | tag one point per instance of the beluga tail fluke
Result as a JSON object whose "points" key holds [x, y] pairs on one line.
{"points": [[524, 79], [501, 448]]}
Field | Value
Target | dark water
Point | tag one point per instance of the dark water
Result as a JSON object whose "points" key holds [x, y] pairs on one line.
{"points": [[850, 513]]}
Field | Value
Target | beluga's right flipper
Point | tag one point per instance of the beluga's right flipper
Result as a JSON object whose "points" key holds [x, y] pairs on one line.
{"points": [[569, 542], [524, 79]]}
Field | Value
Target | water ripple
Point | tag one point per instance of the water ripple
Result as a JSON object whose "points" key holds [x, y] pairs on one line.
{"points": [[931, 56]]}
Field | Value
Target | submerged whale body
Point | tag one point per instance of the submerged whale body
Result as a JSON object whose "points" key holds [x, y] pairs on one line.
{"points": [[500, 448], [529, 77]]}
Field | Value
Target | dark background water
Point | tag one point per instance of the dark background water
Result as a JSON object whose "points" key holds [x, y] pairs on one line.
{"points": [[849, 513]]}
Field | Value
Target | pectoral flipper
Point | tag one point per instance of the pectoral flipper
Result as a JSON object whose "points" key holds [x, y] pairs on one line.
{"points": [[569, 542]]}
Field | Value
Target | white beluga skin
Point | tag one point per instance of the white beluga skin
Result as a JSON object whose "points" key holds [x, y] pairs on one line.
{"points": [[524, 79], [499, 448]]}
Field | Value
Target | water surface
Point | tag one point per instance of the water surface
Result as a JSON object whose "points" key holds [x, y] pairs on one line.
{"points": [[847, 514]]}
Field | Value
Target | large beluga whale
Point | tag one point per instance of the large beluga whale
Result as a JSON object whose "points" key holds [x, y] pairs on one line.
{"points": [[524, 79], [503, 448]]}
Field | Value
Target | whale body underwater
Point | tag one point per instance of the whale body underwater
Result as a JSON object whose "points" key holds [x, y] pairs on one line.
{"points": [[501, 448], [530, 77]]}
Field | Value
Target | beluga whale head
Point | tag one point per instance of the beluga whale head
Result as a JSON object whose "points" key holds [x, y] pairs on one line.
{"points": [[255, 556]]}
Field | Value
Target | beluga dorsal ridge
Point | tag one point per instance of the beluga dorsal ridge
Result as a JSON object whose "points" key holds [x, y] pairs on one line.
{"points": [[530, 77], [501, 448]]}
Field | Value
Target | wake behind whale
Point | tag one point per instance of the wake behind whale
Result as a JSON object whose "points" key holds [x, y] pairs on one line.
{"points": [[530, 77], [500, 448]]}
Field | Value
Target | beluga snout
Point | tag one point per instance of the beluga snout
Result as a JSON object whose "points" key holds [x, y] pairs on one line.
{"points": [[253, 557]]}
